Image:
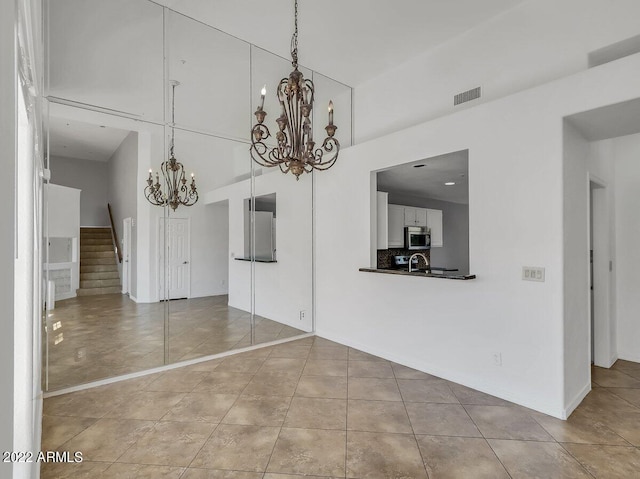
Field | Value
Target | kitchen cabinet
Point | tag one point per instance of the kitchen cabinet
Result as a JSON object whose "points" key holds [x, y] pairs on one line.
{"points": [[400, 216], [382, 217], [434, 223], [396, 226], [415, 216]]}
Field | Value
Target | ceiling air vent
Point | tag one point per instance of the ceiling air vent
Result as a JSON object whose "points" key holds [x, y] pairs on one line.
{"points": [[466, 96]]}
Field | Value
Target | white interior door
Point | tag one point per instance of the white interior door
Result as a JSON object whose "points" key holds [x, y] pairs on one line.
{"points": [[177, 253], [126, 256]]}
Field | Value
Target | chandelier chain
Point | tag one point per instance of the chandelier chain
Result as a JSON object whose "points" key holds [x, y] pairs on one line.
{"points": [[173, 117], [294, 38], [295, 150]]}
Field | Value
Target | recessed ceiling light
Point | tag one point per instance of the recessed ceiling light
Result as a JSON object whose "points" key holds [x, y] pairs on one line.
{"points": [[418, 166], [450, 183]]}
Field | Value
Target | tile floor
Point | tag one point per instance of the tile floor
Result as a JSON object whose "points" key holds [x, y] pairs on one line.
{"points": [[313, 408], [96, 337]]}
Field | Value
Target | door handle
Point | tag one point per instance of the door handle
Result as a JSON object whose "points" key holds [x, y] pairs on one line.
{"points": [[186, 262]]}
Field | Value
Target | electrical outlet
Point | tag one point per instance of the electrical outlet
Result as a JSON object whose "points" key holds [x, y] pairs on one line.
{"points": [[303, 314], [533, 273], [497, 359]]}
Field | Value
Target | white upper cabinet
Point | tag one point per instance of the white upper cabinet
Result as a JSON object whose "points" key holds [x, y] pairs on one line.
{"points": [[434, 223], [383, 219], [401, 216], [415, 216], [396, 226]]}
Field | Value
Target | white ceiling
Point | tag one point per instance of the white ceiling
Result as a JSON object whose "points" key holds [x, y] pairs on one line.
{"points": [[609, 121], [347, 40], [429, 181], [75, 139]]}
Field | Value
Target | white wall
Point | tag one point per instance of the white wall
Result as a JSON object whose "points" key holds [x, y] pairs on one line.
{"points": [[533, 43], [209, 251], [455, 225], [284, 288], [63, 211], [20, 253], [28, 402], [627, 228], [601, 169], [8, 134], [88, 176], [122, 181], [122, 185], [515, 146], [576, 334]]}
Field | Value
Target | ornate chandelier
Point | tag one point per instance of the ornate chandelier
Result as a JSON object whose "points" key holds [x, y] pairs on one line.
{"points": [[172, 173], [295, 146]]}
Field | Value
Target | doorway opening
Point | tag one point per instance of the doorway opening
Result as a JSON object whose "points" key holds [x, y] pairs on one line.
{"points": [[175, 259], [599, 277]]}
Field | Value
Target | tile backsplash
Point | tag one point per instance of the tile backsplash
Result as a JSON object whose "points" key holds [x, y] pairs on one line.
{"points": [[385, 257]]}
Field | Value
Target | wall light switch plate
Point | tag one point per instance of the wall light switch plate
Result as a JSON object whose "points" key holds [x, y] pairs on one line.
{"points": [[532, 273]]}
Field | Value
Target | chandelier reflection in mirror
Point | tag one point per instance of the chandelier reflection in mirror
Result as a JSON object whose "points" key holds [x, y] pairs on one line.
{"points": [[295, 151], [178, 193]]}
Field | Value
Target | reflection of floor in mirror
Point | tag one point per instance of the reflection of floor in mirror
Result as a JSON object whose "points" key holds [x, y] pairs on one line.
{"points": [[95, 337]]}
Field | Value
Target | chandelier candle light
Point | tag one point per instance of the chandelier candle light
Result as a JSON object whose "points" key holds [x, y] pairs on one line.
{"points": [[173, 174], [295, 146]]}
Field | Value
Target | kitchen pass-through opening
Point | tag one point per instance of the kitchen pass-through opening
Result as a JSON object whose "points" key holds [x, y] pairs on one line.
{"points": [[423, 206]]}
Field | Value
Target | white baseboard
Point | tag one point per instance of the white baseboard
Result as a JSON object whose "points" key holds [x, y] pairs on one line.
{"points": [[612, 360], [469, 381], [221, 292], [629, 356], [133, 298], [575, 402], [64, 296]]}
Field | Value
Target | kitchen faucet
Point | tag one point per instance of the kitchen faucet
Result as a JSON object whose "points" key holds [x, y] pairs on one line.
{"points": [[426, 261]]}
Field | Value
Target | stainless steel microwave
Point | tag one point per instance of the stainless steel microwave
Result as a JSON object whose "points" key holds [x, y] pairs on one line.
{"points": [[417, 237]]}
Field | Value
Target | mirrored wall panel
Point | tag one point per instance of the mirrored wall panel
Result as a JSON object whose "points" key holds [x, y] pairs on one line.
{"points": [[101, 318], [106, 54], [134, 281]]}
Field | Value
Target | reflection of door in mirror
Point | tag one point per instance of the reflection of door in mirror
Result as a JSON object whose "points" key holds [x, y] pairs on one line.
{"points": [[176, 250]]}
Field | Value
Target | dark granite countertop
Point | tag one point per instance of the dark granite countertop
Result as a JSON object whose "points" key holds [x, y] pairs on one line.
{"points": [[421, 274], [258, 260]]}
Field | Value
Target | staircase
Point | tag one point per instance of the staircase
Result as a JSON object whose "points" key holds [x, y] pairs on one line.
{"points": [[98, 264]]}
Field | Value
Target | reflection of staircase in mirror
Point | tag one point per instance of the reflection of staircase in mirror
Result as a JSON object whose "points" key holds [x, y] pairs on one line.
{"points": [[98, 264]]}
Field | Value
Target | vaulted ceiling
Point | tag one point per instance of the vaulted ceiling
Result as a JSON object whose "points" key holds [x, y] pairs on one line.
{"points": [[347, 40]]}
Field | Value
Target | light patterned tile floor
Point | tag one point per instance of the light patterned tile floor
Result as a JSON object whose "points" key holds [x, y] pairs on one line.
{"points": [[316, 409], [95, 337]]}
